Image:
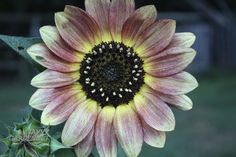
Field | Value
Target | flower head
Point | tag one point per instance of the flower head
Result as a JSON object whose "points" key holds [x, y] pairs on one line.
{"points": [[111, 71]]}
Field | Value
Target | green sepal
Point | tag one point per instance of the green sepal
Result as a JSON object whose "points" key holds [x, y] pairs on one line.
{"points": [[5, 141], [31, 152], [56, 145]]}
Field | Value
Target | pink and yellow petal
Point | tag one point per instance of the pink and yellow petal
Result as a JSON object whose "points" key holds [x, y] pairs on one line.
{"points": [[54, 79], [75, 32], [169, 63], [93, 28], [168, 52], [42, 97], [155, 38], [58, 46], [105, 138], [84, 148], [128, 130], [182, 40], [137, 23], [153, 137], [99, 10], [120, 11], [80, 123], [154, 111], [178, 84], [182, 102], [61, 107], [42, 55]]}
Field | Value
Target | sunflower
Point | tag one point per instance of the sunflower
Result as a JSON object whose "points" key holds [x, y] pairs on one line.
{"points": [[112, 74]]}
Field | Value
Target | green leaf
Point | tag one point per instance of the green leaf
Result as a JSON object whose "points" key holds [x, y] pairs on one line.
{"points": [[65, 153], [5, 141], [51, 155], [20, 45], [56, 145]]}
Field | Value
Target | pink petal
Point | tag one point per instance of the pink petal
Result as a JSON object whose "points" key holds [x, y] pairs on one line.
{"points": [[94, 31], [84, 148], [178, 84], [137, 23], [172, 61], [169, 51], [42, 97], [42, 55], [153, 137], [58, 46], [182, 40], [154, 111], [80, 123], [182, 102], [105, 138], [120, 10], [155, 38], [62, 107], [54, 79], [128, 130], [99, 10], [76, 30]]}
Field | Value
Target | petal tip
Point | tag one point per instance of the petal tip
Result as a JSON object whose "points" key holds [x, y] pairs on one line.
{"points": [[193, 37], [170, 127], [188, 108], [44, 29], [60, 17], [33, 82], [195, 83], [152, 7], [45, 120], [47, 30], [30, 50]]}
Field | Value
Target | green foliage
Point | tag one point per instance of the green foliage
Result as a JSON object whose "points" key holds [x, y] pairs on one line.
{"points": [[30, 139], [56, 145], [65, 153], [20, 46]]}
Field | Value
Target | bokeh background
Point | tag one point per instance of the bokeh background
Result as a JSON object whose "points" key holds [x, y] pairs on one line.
{"points": [[207, 130]]}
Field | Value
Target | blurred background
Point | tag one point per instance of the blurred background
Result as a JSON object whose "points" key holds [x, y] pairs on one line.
{"points": [[207, 130]]}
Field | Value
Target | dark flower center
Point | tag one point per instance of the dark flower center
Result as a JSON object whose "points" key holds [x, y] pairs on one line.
{"points": [[112, 71], [111, 74]]}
